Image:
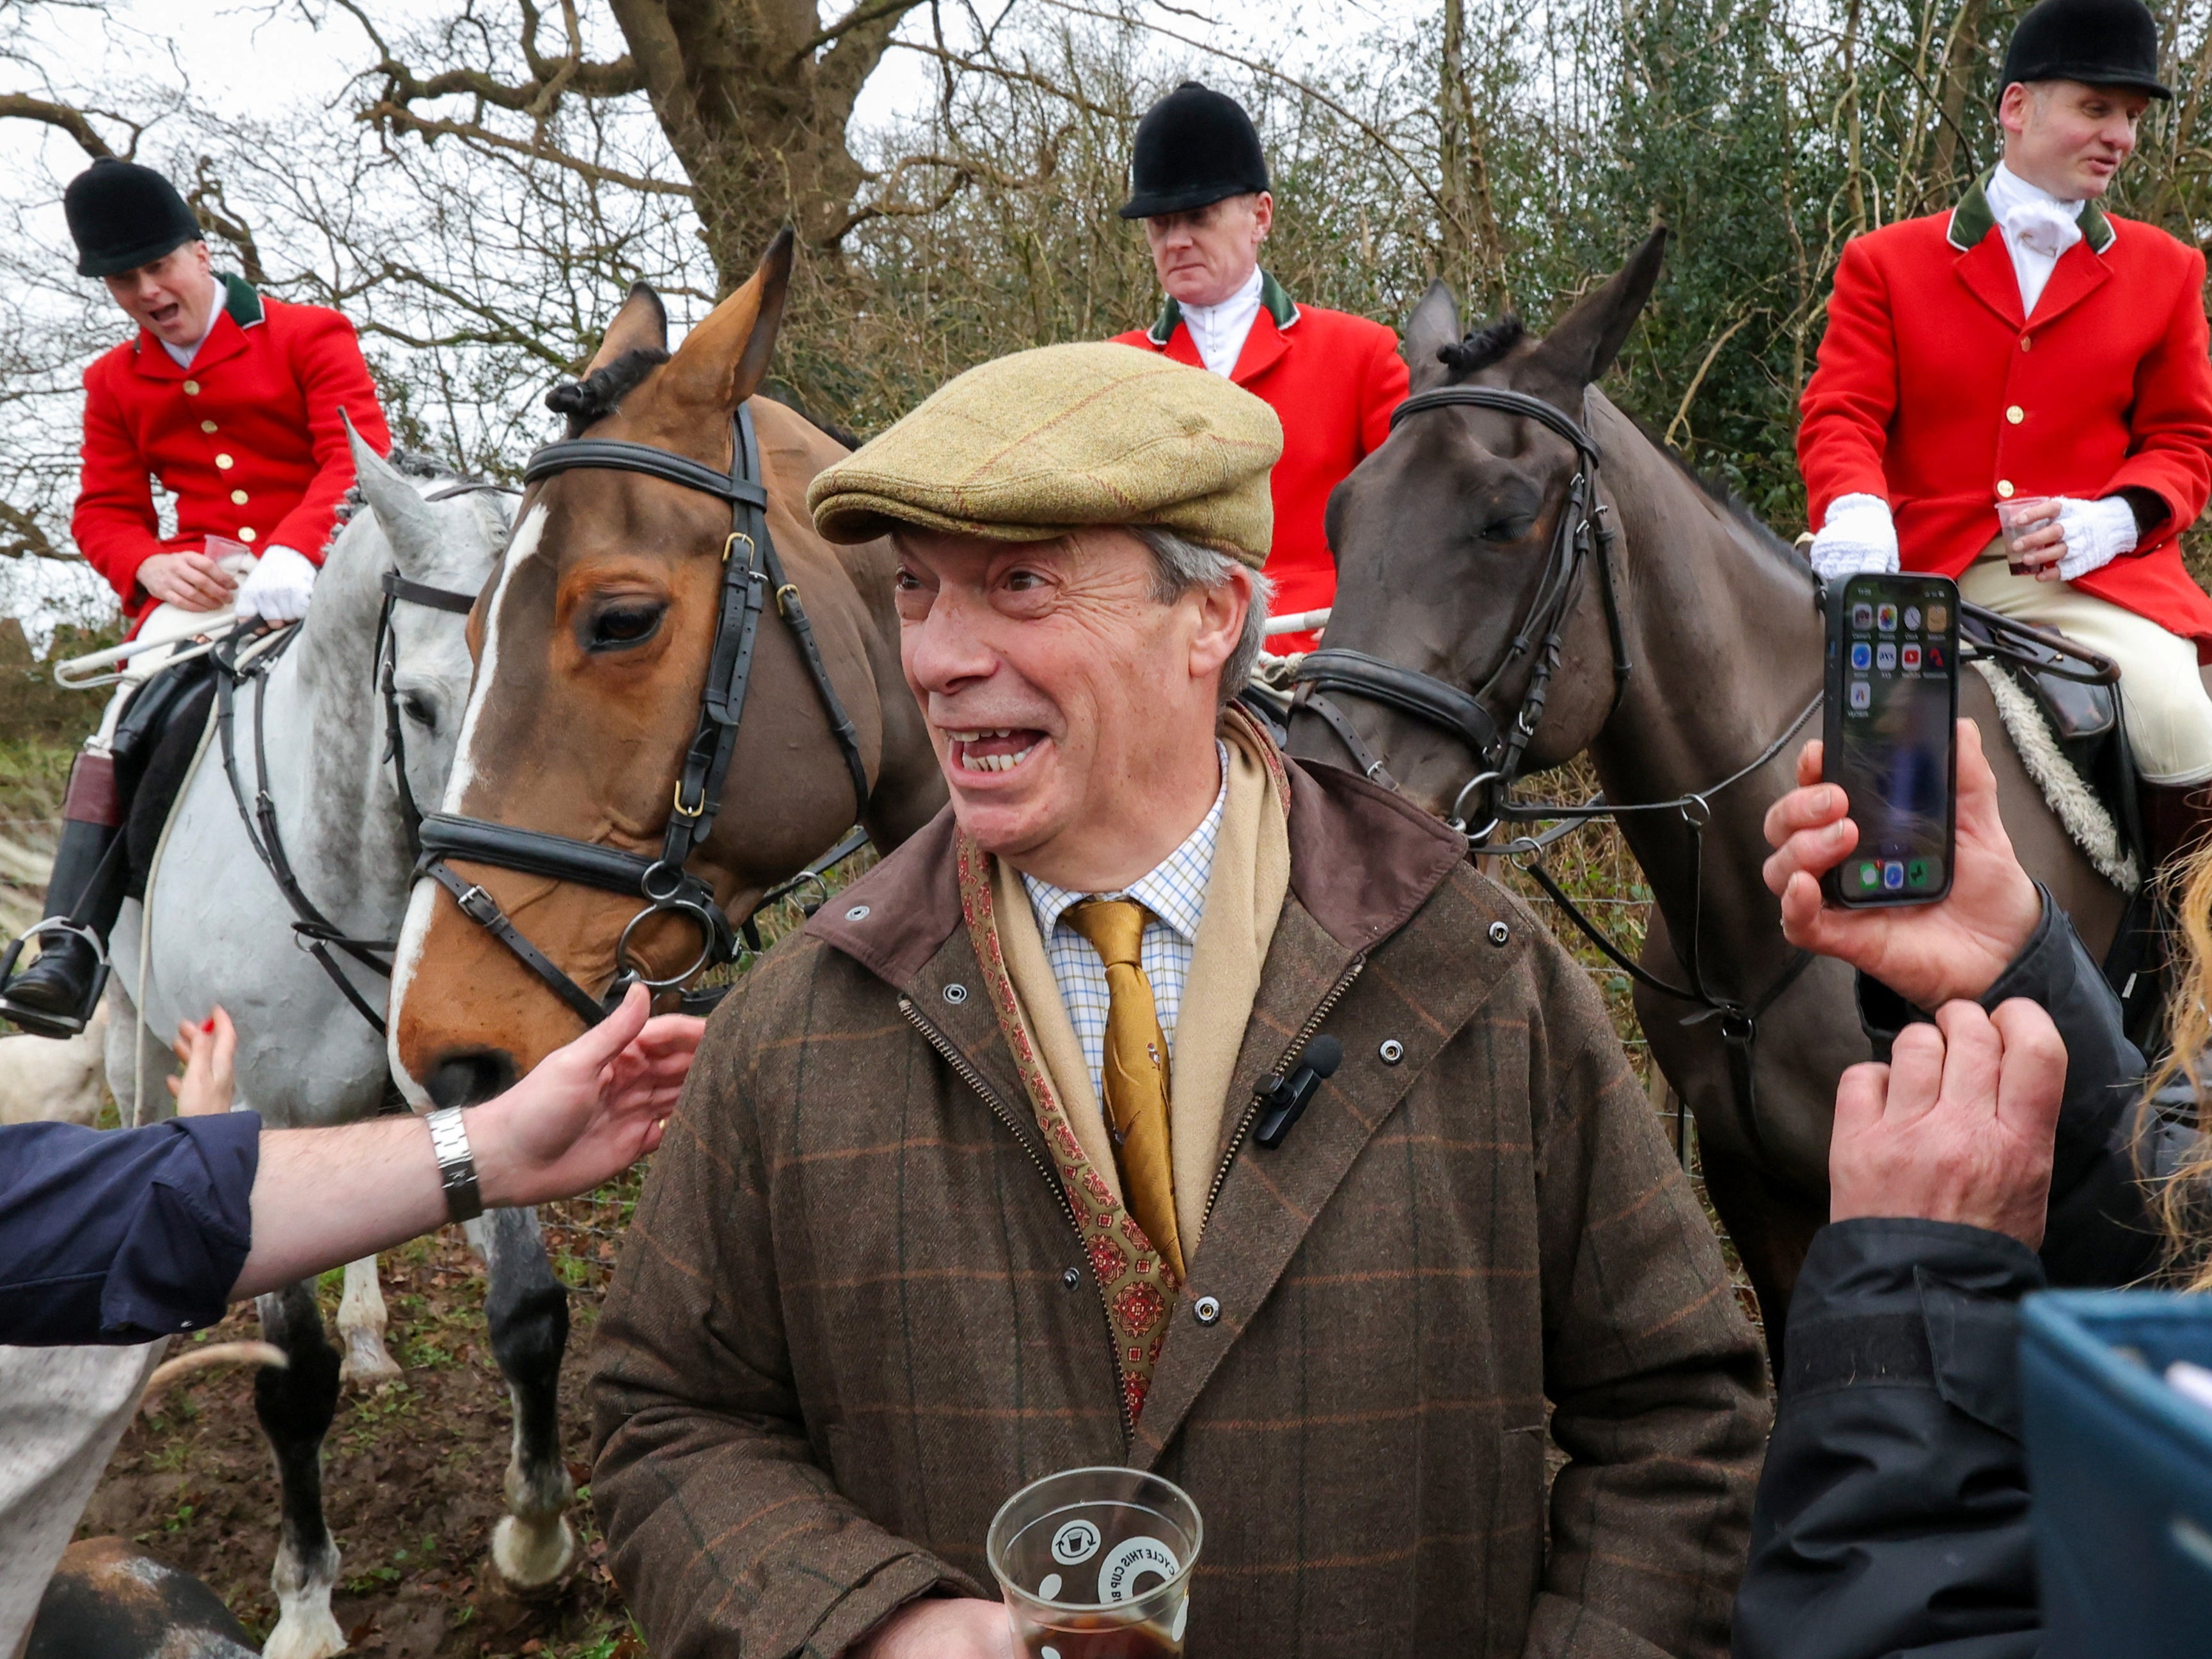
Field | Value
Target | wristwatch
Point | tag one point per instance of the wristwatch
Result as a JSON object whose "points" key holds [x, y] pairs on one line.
{"points": [[457, 1166]]}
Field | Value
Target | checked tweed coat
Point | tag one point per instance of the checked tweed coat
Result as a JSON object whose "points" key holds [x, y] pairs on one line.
{"points": [[853, 1316]]}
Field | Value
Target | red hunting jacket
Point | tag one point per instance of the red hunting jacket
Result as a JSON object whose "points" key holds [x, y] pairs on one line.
{"points": [[248, 439], [1333, 379], [1933, 392]]}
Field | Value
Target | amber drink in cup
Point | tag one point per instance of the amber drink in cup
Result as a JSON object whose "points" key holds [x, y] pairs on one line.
{"points": [[1096, 1564], [2017, 518]]}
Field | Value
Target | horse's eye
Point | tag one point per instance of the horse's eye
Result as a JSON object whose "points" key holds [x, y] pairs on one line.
{"points": [[621, 626], [1507, 530], [419, 709]]}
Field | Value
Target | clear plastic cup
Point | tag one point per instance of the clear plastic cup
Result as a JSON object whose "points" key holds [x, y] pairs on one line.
{"points": [[1096, 1564], [2018, 517]]}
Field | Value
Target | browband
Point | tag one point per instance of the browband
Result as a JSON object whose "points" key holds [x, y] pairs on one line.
{"points": [[438, 598], [615, 455], [1498, 398]]}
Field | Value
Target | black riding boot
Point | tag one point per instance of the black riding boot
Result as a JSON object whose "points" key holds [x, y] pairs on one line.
{"points": [[56, 995]]}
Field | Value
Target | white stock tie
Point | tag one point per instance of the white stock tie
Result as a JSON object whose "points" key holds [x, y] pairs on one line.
{"points": [[2044, 227]]}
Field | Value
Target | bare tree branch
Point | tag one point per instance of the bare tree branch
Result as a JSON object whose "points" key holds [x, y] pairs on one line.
{"points": [[21, 536], [393, 118], [23, 106]]}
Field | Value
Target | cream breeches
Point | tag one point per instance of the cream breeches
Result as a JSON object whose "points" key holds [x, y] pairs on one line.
{"points": [[2163, 701]]}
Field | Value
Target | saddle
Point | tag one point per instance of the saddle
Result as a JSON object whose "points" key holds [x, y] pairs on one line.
{"points": [[2083, 718]]}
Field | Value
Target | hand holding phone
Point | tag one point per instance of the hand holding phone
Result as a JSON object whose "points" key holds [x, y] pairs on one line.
{"points": [[1929, 954], [1893, 699]]}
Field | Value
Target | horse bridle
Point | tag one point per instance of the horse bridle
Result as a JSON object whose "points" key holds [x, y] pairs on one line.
{"points": [[752, 570], [243, 656], [1580, 537]]}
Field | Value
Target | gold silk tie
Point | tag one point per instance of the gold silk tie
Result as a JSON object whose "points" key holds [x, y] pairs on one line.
{"points": [[1135, 1072]]}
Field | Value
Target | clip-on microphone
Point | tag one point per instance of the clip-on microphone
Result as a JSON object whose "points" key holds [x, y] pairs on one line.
{"points": [[1286, 1097]]}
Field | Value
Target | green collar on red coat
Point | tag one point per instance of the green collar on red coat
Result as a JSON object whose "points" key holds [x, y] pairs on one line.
{"points": [[241, 303], [1971, 219], [242, 300], [1274, 300]]}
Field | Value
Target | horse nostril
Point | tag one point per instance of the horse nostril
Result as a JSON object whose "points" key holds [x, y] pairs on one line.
{"points": [[466, 1079]]}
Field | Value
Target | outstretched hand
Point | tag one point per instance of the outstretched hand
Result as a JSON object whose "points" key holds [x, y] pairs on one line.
{"points": [[209, 1053], [1929, 954], [1958, 1126], [588, 1111]]}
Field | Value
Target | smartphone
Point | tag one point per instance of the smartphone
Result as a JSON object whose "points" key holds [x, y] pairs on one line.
{"points": [[1890, 735]]}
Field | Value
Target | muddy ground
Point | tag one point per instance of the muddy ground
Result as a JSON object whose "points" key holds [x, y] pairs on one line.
{"points": [[411, 1470]]}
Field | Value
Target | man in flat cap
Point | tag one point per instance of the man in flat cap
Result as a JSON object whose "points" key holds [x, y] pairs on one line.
{"points": [[1199, 181], [2027, 345], [987, 1172], [236, 402]]}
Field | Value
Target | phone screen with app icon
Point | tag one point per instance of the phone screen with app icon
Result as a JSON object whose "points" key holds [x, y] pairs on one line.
{"points": [[1889, 734]]}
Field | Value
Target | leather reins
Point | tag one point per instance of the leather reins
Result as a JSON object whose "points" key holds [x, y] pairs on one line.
{"points": [[752, 571]]}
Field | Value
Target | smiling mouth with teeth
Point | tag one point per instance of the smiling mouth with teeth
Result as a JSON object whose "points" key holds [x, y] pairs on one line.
{"points": [[992, 749]]}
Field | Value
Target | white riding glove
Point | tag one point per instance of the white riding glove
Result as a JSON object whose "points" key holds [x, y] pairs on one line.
{"points": [[2096, 532], [1857, 539], [279, 587]]}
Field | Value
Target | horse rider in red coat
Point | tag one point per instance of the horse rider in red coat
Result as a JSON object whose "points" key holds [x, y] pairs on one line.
{"points": [[2028, 345], [1198, 180], [237, 403]]}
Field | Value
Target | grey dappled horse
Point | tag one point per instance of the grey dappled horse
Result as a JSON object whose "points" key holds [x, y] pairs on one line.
{"points": [[221, 932]]}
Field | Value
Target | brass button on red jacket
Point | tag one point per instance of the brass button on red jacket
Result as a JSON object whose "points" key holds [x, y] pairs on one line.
{"points": [[270, 378]]}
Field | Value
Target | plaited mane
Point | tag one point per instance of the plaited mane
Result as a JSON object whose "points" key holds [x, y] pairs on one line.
{"points": [[599, 393], [1483, 346]]}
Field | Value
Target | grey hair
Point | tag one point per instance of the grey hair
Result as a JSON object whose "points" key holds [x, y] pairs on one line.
{"points": [[1180, 566]]}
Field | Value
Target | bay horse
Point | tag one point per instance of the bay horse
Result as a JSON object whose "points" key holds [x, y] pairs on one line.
{"points": [[1443, 538], [681, 694]]}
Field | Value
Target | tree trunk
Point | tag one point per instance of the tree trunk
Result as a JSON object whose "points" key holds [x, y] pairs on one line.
{"points": [[754, 96]]}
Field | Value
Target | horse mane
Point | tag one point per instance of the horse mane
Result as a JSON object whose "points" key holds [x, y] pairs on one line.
{"points": [[600, 392], [1713, 490], [776, 392], [1483, 346]]}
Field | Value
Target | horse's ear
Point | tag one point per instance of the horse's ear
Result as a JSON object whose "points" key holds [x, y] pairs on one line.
{"points": [[641, 324], [1433, 325], [723, 361], [1582, 346], [409, 525]]}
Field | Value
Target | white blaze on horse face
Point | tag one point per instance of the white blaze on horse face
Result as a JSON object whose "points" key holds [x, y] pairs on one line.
{"points": [[519, 547], [422, 903]]}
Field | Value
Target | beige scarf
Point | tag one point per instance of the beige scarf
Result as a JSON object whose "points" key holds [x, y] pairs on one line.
{"points": [[1243, 900]]}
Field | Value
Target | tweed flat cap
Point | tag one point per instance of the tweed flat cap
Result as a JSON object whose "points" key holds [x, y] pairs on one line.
{"points": [[1028, 448]]}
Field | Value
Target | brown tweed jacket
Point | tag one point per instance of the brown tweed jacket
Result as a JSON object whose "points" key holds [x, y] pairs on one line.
{"points": [[853, 1316]]}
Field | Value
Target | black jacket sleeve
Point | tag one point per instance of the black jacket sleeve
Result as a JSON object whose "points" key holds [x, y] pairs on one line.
{"points": [[123, 1236], [2099, 1232], [1893, 1517]]}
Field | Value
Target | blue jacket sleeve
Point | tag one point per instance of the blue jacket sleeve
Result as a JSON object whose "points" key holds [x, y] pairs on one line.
{"points": [[124, 1236]]}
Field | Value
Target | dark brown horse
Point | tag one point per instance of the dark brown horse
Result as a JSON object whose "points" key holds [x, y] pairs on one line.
{"points": [[592, 643], [1441, 537]]}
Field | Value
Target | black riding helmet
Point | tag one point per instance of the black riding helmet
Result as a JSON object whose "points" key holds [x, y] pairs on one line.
{"points": [[123, 215], [2101, 43], [1194, 147]]}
